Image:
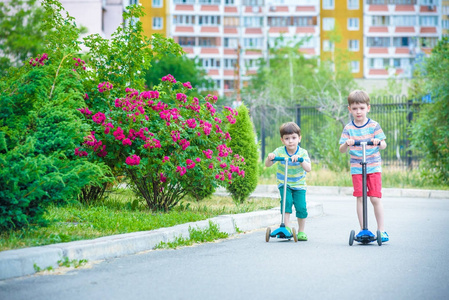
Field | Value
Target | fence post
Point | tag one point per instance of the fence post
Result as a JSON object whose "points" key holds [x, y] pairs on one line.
{"points": [[298, 116], [408, 154], [262, 132]]}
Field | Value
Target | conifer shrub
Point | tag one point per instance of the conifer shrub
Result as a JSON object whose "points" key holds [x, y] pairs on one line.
{"points": [[243, 142]]}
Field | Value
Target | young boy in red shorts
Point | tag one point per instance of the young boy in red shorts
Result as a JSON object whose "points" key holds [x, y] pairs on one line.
{"points": [[364, 129]]}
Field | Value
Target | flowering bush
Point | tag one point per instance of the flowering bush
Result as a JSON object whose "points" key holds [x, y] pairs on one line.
{"points": [[168, 143]]}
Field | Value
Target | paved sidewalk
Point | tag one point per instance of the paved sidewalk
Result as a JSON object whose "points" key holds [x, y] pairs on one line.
{"points": [[16, 263]]}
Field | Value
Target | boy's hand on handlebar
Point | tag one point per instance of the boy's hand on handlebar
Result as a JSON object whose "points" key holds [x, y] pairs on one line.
{"points": [[295, 158], [350, 142], [271, 156], [376, 142]]}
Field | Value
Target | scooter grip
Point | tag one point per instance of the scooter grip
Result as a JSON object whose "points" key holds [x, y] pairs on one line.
{"points": [[357, 143], [279, 158]]}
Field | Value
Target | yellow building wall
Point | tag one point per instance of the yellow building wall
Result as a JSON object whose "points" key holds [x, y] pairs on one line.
{"points": [[341, 13], [154, 12]]}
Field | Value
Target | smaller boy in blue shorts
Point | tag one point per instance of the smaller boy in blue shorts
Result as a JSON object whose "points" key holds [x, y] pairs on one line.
{"points": [[363, 129], [296, 180]]}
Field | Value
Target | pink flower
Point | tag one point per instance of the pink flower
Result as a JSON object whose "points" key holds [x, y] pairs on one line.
{"points": [[187, 85], [162, 178], [152, 143], [181, 97], [80, 153], [198, 159], [126, 142], [104, 86], [133, 160], [175, 136], [118, 134], [211, 166], [184, 144], [181, 170], [165, 159], [191, 123], [208, 153], [169, 78], [99, 118]]}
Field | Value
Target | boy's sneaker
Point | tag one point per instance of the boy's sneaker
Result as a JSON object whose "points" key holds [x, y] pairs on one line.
{"points": [[302, 236], [385, 237]]}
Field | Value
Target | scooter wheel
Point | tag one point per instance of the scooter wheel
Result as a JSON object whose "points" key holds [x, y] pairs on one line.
{"points": [[351, 237], [295, 237], [268, 234], [379, 238]]}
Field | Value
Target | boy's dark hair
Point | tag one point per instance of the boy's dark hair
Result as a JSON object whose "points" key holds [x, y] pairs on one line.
{"points": [[358, 96], [289, 128]]}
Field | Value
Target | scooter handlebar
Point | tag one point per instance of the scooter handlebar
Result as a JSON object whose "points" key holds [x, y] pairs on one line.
{"points": [[357, 143], [279, 158]]}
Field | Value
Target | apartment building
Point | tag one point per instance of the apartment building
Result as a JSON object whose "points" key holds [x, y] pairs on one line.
{"points": [[445, 18], [230, 36], [397, 33]]}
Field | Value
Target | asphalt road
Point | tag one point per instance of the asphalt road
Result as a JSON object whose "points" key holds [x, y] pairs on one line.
{"points": [[413, 265]]}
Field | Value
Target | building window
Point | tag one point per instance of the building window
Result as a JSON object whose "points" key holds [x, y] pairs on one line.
{"points": [[380, 20], [209, 63], [355, 66], [207, 42], [304, 21], [403, 41], [328, 46], [378, 42], [157, 23], [228, 84], [353, 45], [328, 24], [229, 63], [157, 3], [217, 2], [217, 83], [230, 42], [353, 24], [184, 1], [183, 20], [209, 20], [253, 43], [428, 21], [328, 4], [231, 21], [404, 20], [133, 2], [253, 21], [278, 21], [353, 4], [379, 63], [229, 2], [186, 41]]}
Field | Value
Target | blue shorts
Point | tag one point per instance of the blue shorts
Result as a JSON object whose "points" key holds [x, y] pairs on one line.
{"points": [[297, 198]]}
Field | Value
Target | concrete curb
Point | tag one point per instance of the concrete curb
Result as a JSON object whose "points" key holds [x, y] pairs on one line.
{"points": [[22, 262], [271, 191]]}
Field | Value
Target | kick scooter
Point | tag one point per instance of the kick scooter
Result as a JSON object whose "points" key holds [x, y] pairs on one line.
{"points": [[364, 236], [282, 232]]}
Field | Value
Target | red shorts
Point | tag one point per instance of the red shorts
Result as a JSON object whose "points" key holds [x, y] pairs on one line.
{"points": [[373, 183]]}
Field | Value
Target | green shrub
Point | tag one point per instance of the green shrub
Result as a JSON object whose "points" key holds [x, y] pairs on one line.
{"points": [[243, 142]]}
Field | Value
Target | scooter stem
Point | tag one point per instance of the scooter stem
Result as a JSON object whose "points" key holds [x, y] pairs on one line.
{"points": [[365, 204], [285, 190]]}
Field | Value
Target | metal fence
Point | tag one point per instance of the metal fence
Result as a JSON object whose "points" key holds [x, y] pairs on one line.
{"points": [[394, 118]]}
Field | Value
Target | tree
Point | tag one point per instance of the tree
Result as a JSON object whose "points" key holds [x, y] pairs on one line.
{"points": [[243, 142], [20, 34], [181, 67], [430, 132]]}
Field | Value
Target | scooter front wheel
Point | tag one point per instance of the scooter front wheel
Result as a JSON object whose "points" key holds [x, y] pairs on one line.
{"points": [[379, 238], [268, 234], [351, 237]]}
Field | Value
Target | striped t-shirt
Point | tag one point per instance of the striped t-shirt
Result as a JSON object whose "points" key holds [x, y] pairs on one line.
{"points": [[296, 179], [364, 133]]}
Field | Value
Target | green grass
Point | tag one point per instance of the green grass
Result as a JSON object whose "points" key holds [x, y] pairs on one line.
{"points": [[209, 234], [119, 213]]}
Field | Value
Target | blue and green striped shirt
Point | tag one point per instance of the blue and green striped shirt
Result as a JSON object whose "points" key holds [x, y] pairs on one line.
{"points": [[296, 179]]}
